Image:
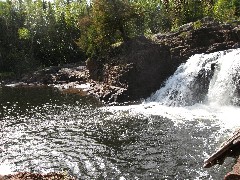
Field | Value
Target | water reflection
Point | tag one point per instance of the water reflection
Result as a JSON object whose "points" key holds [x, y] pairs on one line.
{"points": [[43, 130]]}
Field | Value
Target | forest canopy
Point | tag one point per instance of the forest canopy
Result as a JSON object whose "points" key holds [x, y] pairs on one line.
{"points": [[40, 33]]}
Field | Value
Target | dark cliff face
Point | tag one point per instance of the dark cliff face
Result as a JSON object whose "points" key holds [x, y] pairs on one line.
{"points": [[138, 68], [151, 65], [144, 64]]}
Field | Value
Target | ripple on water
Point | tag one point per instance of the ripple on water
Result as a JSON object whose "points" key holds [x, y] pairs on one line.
{"points": [[122, 142]]}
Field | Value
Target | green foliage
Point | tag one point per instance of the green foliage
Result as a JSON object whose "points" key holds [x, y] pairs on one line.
{"points": [[224, 9], [197, 24], [109, 22], [6, 75], [208, 8], [23, 33], [236, 4], [37, 33]]}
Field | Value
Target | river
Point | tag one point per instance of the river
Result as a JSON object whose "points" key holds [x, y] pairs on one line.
{"points": [[164, 137]]}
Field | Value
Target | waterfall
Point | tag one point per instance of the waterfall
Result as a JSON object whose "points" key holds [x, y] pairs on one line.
{"points": [[205, 78]]}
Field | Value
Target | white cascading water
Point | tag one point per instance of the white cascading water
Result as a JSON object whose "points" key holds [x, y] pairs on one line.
{"points": [[187, 85], [205, 87], [224, 86]]}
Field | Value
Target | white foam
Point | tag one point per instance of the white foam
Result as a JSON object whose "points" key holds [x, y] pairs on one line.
{"points": [[226, 117], [188, 83], [6, 168]]}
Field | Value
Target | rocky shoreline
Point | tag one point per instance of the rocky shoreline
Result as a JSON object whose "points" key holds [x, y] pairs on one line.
{"points": [[72, 78]]}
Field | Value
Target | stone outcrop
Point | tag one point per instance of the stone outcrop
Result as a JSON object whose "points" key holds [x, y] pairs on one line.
{"points": [[58, 75], [210, 37], [146, 65], [73, 79]]}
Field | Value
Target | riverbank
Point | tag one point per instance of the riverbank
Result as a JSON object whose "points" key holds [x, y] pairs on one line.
{"points": [[71, 78]]}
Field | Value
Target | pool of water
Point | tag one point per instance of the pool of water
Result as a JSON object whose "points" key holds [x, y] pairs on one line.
{"points": [[43, 130]]}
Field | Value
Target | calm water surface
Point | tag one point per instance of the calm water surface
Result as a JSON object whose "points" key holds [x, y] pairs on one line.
{"points": [[44, 130]]}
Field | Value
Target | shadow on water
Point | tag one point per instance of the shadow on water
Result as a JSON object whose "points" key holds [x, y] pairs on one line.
{"points": [[38, 95], [22, 98]]}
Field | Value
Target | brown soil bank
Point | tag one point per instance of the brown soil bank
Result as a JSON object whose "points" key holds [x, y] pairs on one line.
{"points": [[142, 65]]}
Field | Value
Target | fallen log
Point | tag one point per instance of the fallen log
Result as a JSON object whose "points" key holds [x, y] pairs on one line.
{"points": [[229, 148]]}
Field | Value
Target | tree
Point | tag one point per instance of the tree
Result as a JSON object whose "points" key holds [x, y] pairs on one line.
{"points": [[39, 33], [109, 22], [236, 4], [53, 31], [225, 9], [10, 48]]}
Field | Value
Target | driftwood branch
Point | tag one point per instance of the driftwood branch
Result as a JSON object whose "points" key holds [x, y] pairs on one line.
{"points": [[229, 148]]}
